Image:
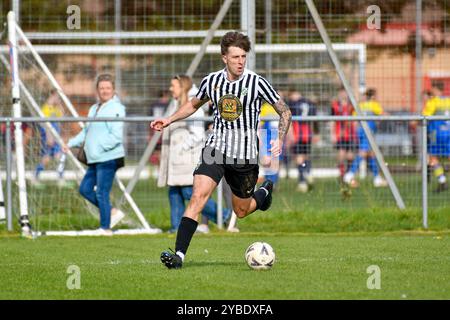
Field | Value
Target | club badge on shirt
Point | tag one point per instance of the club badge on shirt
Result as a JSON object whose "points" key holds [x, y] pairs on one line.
{"points": [[230, 107]]}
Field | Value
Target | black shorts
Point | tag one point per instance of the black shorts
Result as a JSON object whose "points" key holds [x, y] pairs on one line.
{"points": [[302, 148], [346, 145], [241, 177]]}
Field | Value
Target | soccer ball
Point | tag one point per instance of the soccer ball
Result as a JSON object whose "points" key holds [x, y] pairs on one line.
{"points": [[260, 256]]}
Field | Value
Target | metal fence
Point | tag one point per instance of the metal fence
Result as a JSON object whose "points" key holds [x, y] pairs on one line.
{"points": [[405, 51], [404, 152]]}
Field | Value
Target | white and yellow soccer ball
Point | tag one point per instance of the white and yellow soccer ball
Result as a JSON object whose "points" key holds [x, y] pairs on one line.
{"points": [[260, 256]]}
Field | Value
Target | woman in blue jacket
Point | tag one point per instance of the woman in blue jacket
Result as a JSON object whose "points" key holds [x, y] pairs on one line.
{"points": [[103, 145]]}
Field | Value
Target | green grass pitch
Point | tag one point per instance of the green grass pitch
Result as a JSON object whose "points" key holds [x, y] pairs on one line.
{"points": [[313, 266], [324, 246]]}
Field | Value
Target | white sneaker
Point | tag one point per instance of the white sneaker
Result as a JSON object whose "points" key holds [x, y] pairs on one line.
{"points": [[302, 187], [348, 177], [102, 232], [36, 183], [309, 179], [202, 228], [154, 231], [116, 216], [62, 183], [27, 232], [379, 182]]}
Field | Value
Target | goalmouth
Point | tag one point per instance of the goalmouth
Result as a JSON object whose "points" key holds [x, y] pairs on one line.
{"points": [[32, 81]]}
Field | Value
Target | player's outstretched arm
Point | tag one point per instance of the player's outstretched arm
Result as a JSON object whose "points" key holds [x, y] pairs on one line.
{"points": [[285, 121], [182, 113]]}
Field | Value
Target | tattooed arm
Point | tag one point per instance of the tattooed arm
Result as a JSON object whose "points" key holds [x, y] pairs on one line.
{"points": [[285, 121], [285, 118]]}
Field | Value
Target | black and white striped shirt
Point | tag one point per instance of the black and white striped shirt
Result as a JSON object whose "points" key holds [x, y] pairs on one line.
{"points": [[237, 105]]}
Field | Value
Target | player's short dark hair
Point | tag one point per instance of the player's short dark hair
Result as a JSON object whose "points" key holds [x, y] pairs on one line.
{"points": [[370, 93], [438, 85], [162, 93], [104, 77], [234, 39]]}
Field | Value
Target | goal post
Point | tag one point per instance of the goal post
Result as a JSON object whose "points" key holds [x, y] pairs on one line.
{"points": [[2, 203], [323, 33], [18, 134]]}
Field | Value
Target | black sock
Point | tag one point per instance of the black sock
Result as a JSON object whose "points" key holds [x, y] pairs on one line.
{"points": [[349, 165], [259, 196], [184, 235], [308, 166], [301, 172]]}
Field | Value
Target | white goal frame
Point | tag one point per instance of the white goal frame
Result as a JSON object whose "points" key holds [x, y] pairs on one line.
{"points": [[17, 86], [359, 48]]}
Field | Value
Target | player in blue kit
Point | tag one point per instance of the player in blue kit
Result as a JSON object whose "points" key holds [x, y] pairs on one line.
{"points": [[438, 132], [369, 107]]}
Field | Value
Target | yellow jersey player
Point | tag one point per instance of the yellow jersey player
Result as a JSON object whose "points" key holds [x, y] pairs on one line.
{"points": [[438, 132], [369, 107], [49, 147], [268, 132]]}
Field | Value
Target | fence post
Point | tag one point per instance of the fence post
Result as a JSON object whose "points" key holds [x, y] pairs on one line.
{"points": [[424, 174], [340, 71], [8, 176]]}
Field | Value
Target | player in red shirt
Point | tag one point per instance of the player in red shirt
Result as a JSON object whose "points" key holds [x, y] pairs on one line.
{"points": [[301, 135], [343, 133]]}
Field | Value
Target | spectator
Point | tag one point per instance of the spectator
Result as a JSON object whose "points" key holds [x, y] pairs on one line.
{"points": [[103, 144], [181, 148]]}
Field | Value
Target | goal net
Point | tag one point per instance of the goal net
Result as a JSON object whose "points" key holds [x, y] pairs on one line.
{"points": [[143, 69], [53, 204], [146, 71]]}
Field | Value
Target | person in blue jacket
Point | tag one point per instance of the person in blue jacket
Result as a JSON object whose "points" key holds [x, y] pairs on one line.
{"points": [[105, 153]]}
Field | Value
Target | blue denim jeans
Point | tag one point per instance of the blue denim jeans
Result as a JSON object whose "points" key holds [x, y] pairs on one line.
{"points": [[177, 197], [101, 175]]}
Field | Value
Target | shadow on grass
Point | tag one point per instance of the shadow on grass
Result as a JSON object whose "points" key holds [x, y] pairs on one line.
{"points": [[209, 264]]}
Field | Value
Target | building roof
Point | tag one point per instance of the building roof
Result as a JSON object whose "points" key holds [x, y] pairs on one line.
{"points": [[398, 34]]}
